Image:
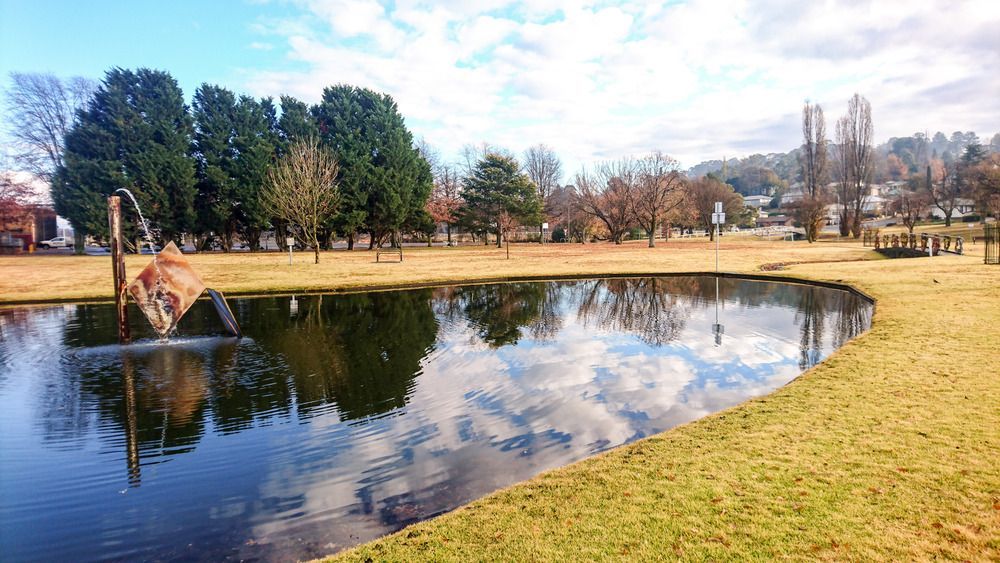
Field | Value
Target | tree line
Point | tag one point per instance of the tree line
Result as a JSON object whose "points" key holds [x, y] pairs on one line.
{"points": [[851, 161], [231, 167], [205, 170]]}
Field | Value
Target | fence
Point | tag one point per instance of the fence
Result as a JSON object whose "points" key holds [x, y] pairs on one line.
{"points": [[991, 237]]}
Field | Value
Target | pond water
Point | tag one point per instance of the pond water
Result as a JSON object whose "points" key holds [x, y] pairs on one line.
{"points": [[341, 418]]}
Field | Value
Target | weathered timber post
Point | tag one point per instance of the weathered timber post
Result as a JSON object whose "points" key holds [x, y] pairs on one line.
{"points": [[118, 267], [130, 422]]}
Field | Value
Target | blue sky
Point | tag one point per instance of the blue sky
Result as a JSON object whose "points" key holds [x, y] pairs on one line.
{"points": [[696, 79]]}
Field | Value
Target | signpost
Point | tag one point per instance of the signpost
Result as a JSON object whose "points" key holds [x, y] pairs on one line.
{"points": [[718, 219], [290, 241], [545, 227]]}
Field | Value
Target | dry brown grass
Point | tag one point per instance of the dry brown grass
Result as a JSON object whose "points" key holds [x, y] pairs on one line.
{"points": [[28, 279], [888, 450]]}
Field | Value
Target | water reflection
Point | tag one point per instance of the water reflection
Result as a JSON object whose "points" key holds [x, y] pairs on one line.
{"points": [[353, 415]]}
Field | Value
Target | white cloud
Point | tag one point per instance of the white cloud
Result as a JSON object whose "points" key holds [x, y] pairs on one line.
{"points": [[696, 79]]}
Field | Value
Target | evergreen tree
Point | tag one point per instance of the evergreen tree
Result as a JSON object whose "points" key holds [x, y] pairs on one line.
{"points": [[384, 180], [214, 111], [255, 144], [498, 194], [235, 142], [136, 133], [296, 122]]}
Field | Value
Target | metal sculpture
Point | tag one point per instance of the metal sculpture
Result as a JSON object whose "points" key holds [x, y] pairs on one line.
{"points": [[164, 290]]}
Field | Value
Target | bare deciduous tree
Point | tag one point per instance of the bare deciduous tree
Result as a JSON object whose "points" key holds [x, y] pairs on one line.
{"points": [[842, 174], [859, 142], [910, 205], [302, 189], [445, 199], [659, 189], [702, 195], [607, 196], [544, 168], [986, 183], [812, 209], [946, 187], [14, 196], [42, 108]]}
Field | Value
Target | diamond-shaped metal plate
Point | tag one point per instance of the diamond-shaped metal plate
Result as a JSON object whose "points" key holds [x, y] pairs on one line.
{"points": [[166, 289]]}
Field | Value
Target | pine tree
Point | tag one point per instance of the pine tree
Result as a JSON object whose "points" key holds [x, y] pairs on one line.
{"points": [[296, 123], [255, 143], [136, 133], [384, 180], [498, 194], [214, 111]]}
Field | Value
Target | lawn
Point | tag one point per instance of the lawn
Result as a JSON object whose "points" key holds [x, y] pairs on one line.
{"points": [[28, 279], [890, 449]]}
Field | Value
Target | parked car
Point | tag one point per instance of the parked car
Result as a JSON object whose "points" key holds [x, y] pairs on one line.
{"points": [[58, 242]]}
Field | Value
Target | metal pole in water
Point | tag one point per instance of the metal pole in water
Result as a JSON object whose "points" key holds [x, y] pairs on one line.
{"points": [[118, 267]]}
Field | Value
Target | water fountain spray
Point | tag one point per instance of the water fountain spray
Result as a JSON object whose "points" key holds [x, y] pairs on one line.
{"points": [[165, 289]]}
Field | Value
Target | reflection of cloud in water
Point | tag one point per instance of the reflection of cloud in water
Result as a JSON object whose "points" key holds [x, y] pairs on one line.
{"points": [[524, 409], [367, 412]]}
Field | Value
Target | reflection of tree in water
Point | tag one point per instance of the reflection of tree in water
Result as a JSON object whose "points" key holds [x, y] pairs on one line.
{"points": [[811, 313], [821, 311], [499, 312], [360, 351], [853, 318], [654, 309]]}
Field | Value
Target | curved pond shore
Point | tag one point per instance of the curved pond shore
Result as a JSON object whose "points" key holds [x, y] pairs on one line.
{"points": [[344, 417], [886, 450]]}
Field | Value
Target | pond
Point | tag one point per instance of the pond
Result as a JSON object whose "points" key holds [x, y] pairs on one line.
{"points": [[341, 418]]}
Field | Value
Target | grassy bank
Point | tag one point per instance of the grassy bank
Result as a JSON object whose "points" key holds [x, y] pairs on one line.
{"points": [[888, 450], [28, 279]]}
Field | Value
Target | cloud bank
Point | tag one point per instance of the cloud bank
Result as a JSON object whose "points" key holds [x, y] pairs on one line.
{"points": [[697, 79]]}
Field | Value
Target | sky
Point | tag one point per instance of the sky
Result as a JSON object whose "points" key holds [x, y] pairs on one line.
{"points": [[697, 79]]}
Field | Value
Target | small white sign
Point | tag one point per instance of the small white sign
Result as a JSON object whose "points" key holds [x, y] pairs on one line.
{"points": [[289, 241], [545, 226], [718, 207], [718, 218]]}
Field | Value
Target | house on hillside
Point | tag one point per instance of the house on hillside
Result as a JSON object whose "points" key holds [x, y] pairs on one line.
{"points": [[792, 196], [775, 221], [757, 201], [963, 208]]}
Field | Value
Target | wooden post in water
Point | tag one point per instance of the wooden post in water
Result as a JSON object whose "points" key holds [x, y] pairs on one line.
{"points": [[118, 267]]}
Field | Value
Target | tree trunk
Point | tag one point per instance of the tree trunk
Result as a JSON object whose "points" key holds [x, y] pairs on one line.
{"points": [[448, 228], [652, 235], [79, 239], [315, 250], [350, 241], [845, 223]]}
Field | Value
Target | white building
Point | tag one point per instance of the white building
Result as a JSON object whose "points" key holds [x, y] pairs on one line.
{"points": [[757, 201], [963, 207]]}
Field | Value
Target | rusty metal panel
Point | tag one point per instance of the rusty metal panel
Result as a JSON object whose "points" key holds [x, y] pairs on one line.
{"points": [[166, 289]]}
